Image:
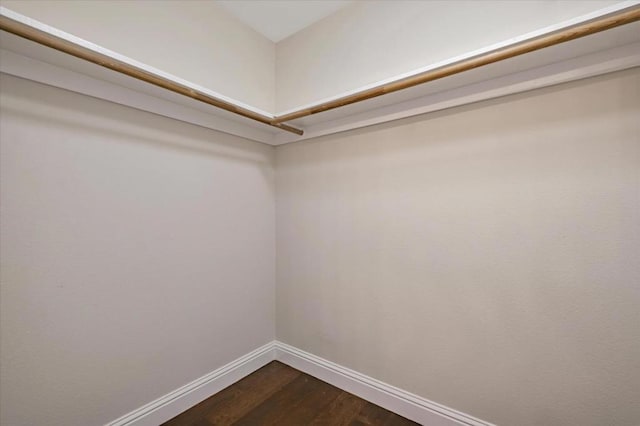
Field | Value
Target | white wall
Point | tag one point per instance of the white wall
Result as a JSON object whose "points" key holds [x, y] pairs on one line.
{"points": [[369, 41], [198, 41], [137, 255], [484, 257]]}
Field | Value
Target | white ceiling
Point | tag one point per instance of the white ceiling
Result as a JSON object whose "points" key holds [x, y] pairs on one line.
{"points": [[278, 19]]}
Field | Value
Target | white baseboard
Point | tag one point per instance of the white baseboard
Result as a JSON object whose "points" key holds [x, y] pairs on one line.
{"points": [[406, 404], [181, 399]]}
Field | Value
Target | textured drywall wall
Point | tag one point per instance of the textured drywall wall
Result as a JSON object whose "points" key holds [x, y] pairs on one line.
{"points": [[486, 257], [137, 254], [369, 41], [198, 41]]}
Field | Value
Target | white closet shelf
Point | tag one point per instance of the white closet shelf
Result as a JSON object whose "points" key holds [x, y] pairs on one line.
{"points": [[610, 49]]}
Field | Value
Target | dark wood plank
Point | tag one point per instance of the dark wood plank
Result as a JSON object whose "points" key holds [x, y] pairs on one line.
{"points": [[295, 404], [373, 415], [251, 393], [397, 420], [307, 409], [230, 404], [341, 411], [279, 395]]}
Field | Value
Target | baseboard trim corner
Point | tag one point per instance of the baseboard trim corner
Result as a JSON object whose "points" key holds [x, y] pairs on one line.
{"points": [[413, 407], [170, 405], [406, 404]]}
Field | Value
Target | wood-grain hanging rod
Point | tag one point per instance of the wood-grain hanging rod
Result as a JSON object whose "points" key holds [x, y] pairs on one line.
{"points": [[581, 30], [34, 34]]}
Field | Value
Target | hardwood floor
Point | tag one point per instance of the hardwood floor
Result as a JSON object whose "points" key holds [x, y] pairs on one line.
{"points": [[279, 395]]}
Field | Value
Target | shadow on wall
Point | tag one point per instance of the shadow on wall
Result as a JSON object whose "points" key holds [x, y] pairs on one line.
{"points": [[453, 142], [126, 125]]}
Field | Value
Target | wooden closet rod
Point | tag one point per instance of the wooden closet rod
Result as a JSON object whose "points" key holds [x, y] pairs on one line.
{"points": [[561, 36], [46, 39]]}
